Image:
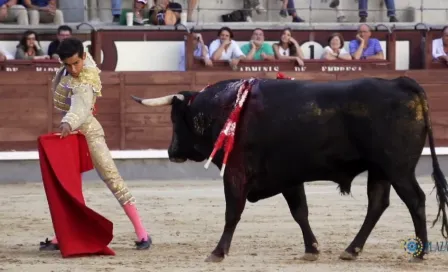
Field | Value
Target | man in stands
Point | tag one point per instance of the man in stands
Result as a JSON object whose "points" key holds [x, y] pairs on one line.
{"points": [[10, 11], [257, 49], [44, 11], [365, 47], [440, 47], [64, 32], [200, 52]]}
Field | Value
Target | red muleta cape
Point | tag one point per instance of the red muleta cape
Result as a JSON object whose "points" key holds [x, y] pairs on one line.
{"points": [[80, 230]]}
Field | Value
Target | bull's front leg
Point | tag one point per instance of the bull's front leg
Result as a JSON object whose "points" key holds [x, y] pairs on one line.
{"points": [[235, 190]]}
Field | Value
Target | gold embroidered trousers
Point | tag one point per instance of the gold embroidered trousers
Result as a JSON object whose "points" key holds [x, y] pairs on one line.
{"points": [[103, 162]]}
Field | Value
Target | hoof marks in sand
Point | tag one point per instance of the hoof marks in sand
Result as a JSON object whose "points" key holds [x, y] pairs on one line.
{"points": [[310, 257], [347, 256], [214, 259]]}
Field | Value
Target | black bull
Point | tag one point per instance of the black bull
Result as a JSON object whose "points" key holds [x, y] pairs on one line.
{"points": [[291, 132]]}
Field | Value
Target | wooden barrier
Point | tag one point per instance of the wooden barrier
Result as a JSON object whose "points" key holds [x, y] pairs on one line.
{"points": [[330, 66], [26, 107], [50, 65]]}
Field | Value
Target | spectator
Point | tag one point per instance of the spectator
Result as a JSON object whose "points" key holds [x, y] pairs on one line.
{"points": [[116, 10], [165, 12], [5, 55], [257, 49], [362, 7], [335, 48], [64, 32], [225, 48], [44, 11], [200, 52], [288, 48], [440, 47], [288, 8], [157, 12], [340, 17], [191, 6], [248, 5], [139, 11], [29, 47], [10, 11], [365, 47]]}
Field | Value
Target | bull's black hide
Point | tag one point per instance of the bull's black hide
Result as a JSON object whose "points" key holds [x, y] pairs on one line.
{"points": [[291, 132]]}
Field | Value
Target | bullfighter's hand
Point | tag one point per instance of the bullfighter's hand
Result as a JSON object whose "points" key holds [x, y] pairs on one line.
{"points": [[65, 129]]}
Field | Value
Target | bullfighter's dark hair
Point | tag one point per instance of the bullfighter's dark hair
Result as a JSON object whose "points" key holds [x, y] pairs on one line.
{"points": [[69, 47], [339, 35], [225, 28]]}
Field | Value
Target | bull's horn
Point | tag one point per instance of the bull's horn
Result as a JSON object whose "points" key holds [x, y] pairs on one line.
{"points": [[160, 101]]}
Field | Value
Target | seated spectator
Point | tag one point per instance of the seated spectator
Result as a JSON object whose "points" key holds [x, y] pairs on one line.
{"points": [[257, 49], [44, 11], [116, 10], [335, 48], [139, 11], [288, 8], [64, 32], [29, 47], [365, 47], [10, 11], [288, 48], [191, 6], [165, 13], [225, 48], [5, 55], [440, 47], [249, 5], [200, 52]]}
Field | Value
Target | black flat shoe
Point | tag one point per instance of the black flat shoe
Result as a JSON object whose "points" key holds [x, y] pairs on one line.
{"points": [[143, 244], [48, 246]]}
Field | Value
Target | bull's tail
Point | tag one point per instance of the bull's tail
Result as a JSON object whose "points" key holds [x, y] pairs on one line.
{"points": [[437, 174]]}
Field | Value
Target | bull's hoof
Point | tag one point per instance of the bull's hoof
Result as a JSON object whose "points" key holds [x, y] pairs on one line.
{"points": [[348, 256], [310, 257], [214, 259]]}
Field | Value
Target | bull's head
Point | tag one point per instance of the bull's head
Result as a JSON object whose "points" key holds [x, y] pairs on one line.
{"points": [[182, 145]]}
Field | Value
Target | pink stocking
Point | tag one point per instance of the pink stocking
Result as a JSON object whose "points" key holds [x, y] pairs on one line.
{"points": [[132, 213]]}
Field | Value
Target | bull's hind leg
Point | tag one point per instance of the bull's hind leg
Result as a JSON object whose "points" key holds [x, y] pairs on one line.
{"points": [[413, 196], [235, 190], [378, 192], [296, 199]]}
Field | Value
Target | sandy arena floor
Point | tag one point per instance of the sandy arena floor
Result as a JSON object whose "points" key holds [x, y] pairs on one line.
{"points": [[186, 220]]}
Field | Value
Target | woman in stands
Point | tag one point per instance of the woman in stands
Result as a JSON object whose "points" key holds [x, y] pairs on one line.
{"points": [[335, 48], [288, 48], [225, 48], [29, 47]]}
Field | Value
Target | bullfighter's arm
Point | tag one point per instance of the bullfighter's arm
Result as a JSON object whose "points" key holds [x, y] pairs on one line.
{"points": [[80, 108]]}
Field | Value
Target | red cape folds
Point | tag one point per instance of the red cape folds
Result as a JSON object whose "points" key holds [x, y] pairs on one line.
{"points": [[79, 230]]}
